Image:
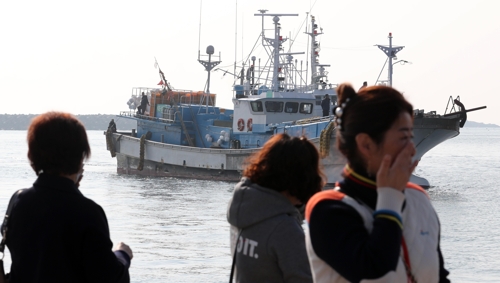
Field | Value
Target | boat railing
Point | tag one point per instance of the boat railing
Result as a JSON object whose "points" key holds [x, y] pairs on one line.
{"points": [[320, 74], [137, 91], [131, 114], [127, 114], [419, 113], [313, 120], [305, 88]]}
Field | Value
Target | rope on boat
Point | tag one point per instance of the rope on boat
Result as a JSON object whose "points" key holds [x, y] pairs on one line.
{"points": [[110, 143], [308, 120], [141, 153], [325, 138]]}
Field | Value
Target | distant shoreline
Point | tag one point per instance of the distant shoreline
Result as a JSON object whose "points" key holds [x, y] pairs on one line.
{"points": [[472, 124], [91, 121], [101, 121]]}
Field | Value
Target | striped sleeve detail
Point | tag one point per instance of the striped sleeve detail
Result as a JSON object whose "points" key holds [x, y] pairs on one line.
{"points": [[389, 214]]}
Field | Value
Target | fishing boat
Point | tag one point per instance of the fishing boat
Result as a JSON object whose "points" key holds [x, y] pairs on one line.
{"points": [[184, 134]]}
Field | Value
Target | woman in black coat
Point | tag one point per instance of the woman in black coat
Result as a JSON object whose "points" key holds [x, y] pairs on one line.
{"points": [[54, 233]]}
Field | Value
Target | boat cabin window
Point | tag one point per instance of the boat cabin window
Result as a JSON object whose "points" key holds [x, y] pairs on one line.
{"points": [[291, 107], [318, 99], [257, 106], [306, 108], [274, 106]]}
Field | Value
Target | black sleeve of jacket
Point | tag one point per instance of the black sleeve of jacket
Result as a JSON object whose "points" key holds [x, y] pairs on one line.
{"points": [[443, 273], [339, 237], [100, 263]]}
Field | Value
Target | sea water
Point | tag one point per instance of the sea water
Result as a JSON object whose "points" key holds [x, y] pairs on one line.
{"points": [[178, 231]]}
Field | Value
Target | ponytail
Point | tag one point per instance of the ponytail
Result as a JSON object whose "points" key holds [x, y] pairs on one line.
{"points": [[344, 92]]}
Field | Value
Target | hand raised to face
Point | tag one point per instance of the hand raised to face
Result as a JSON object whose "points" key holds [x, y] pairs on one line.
{"points": [[395, 172]]}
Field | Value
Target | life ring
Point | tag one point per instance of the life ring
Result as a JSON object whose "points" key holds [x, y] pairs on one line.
{"points": [[241, 125], [250, 124]]}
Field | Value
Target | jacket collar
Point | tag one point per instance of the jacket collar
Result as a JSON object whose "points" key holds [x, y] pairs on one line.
{"points": [[358, 178], [53, 182], [358, 186]]}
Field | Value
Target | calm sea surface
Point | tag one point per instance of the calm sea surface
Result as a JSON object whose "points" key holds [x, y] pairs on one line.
{"points": [[178, 231]]}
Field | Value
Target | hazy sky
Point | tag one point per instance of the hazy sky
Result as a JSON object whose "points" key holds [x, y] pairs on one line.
{"points": [[85, 56]]}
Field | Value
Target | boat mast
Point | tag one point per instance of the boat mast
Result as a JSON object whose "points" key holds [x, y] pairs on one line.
{"points": [[316, 74], [209, 65], [391, 52], [314, 52], [276, 43], [276, 47]]}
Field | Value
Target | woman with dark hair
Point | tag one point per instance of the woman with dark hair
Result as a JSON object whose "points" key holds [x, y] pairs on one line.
{"points": [[266, 231], [54, 233], [374, 226]]}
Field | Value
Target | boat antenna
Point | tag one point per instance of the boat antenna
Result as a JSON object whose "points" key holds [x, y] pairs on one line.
{"points": [[199, 30], [391, 52], [263, 11], [235, 38], [307, 59], [242, 38]]}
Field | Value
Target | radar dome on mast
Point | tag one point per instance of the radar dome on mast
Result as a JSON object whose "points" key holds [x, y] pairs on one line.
{"points": [[210, 50]]}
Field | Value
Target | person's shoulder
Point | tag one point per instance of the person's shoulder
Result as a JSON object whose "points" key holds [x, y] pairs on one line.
{"points": [[23, 193], [285, 226], [326, 195], [91, 204], [413, 188], [85, 206], [88, 211], [24, 196]]}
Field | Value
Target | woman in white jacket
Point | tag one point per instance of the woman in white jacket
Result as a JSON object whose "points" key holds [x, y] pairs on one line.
{"points": [[374, 226]]}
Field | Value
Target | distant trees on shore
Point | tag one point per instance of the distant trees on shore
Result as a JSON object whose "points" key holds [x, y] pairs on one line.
{"points": [[91, 122]]}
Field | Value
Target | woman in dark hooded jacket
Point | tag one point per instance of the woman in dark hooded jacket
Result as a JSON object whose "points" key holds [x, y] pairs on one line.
{"points": [[266, 230]]}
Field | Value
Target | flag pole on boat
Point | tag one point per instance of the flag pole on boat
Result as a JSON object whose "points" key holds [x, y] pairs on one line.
{"points": [[163, 82]]}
